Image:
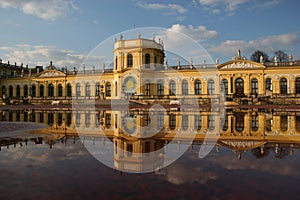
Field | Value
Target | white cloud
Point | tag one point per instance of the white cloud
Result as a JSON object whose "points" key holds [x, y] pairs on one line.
{"points": [[41, 55], [48, 10], [173, 8], [199, 33], [268, 44], [230, 5], [270, 3]]}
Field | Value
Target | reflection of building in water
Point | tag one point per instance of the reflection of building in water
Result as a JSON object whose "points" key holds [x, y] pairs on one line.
{"points": [[146, 124], [139, 138], [139, 72]]}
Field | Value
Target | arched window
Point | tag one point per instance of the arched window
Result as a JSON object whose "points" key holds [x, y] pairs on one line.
{"points": [[87, 120], [254, 86], [107, 120], [78, 90], [185, 87], [172, 88], [240, 122], [116, 62], [185, 122], [224, 123], [198, 87], [269, 84], [97, 89], [198, 122], [224, 86], [33, 91], [10, 91], [129, 60], [211, 122], [160, 120], [42, 90], [147, 88], [254, 122], [147, 60], [239, 87], [87, 90], [18, 91], [69, 90], [108, 89], [283, 86], [297, 85], [60, 90], [3, 90], [50, 90], [283, 122], [297, 123], [211, 87], [160, 88], [25, 91]]}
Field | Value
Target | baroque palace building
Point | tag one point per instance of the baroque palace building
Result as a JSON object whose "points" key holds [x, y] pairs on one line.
{"points": [[139, 73]]}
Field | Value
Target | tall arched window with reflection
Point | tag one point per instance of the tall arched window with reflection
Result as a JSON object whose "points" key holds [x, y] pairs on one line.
{"points": [[198, 87], [185, 87], [172, 121], [224, 86], [87, 90], [211, 122], [42, 90], [184, 122], [129, 60], [283, 86], [224, 123], [254, 86], [269, 84], [10, 91], [78, 92], [33, 91], [50, 90], [147, 60], [198, 122], [240, 122], [297, 118], [69, 90], [254, 122], [25, 91], [147, 88], [97, 91], [160, 88], [60, 90], [108, 89], [172, 88], [18, 91], [283, 122], [239, 87], [297, 85], [211, 87]]}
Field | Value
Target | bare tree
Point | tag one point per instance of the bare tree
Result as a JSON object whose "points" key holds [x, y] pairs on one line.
{"points": [[281, 56], [257, 54]]}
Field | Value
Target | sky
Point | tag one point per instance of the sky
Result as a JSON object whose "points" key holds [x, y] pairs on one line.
{"points": [[66, 31]]}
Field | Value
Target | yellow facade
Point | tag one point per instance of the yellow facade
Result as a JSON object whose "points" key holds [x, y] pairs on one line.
{"points": [[140, 73]]}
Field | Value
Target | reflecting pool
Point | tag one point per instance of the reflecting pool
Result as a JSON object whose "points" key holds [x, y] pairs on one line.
{"points": [[59, 154]]}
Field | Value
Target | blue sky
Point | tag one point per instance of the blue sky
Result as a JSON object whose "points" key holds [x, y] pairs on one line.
{"points": [[36, 31]]}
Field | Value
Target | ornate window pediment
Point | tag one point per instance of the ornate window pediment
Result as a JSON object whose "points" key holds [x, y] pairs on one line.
{"points": [[244, 64], [51, 73]]}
